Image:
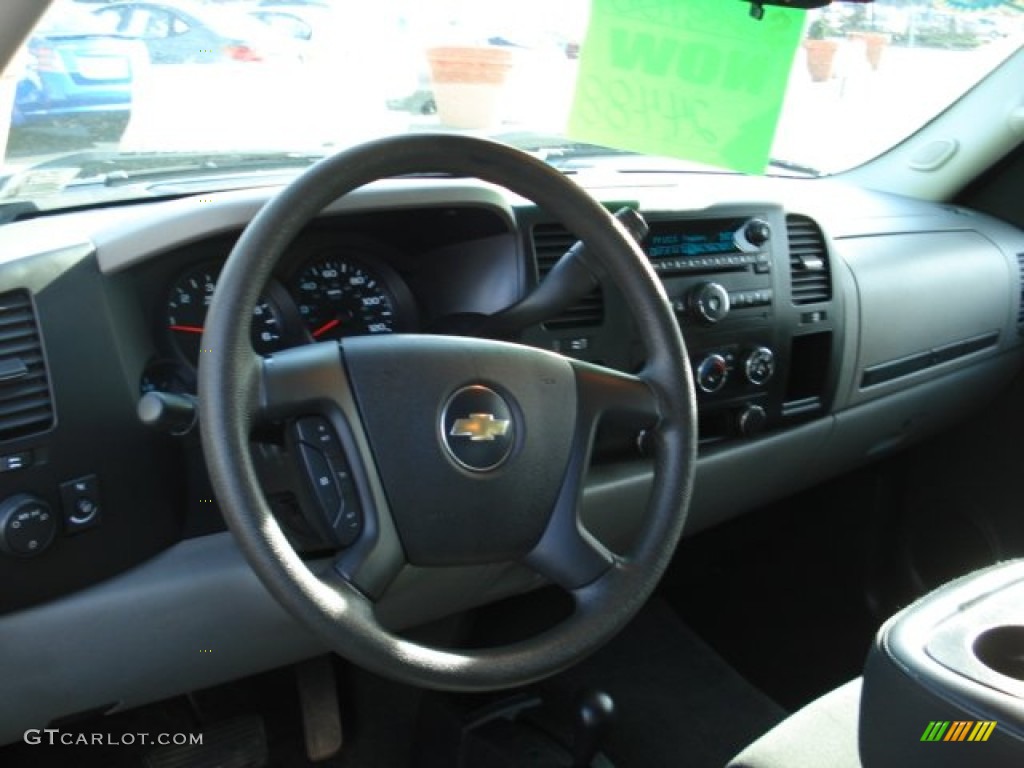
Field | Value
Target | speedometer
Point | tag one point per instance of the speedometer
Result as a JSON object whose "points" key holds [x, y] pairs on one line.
{"points": [[340, 296]]}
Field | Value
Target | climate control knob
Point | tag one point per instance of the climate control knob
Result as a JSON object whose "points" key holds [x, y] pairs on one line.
{"points": [[712, 373], [27, 525], [709, 302], [759, 366]]}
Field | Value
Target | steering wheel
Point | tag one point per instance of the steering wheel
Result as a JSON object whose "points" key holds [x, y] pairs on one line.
{"points": [[459, 450]]}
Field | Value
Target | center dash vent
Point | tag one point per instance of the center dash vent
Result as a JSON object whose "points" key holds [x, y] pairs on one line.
{"points": [[1020, 305], [808, 261], [550, 242], [25, 403]]}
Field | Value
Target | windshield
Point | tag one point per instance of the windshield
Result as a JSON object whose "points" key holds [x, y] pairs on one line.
{"points": [[108, 94]]}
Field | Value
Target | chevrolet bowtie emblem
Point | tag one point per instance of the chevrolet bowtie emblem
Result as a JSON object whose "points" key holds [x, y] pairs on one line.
{"points": [[480, 426], [484, 417]]}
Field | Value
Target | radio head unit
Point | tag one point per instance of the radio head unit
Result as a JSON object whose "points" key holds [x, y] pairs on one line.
{"points": [[682, 246]]}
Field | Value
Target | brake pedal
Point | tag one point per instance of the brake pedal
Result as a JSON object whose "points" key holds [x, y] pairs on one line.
{"points": [[237, 743], [318, 700]]}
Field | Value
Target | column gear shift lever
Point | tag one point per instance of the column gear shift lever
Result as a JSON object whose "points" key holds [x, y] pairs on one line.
{"points": [[594, 716]]}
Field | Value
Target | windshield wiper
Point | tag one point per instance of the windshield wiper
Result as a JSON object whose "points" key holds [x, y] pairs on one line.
{"points": [[134, 167], [570, 156], [557, 150], [112, 169], [789, 165], [90, 178]]}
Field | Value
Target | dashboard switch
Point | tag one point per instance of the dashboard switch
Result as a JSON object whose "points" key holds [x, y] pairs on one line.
{"points": [[27, 525], [80, 499], [15, 461]]}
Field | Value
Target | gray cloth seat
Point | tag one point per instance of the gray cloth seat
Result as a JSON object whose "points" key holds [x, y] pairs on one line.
{"points": [[821, 735]]}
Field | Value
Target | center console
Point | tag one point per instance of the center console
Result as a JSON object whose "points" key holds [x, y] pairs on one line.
{"points": [[944, 683]]}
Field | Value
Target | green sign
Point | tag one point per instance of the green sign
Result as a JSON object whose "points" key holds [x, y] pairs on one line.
{"points": [[696, 79]]}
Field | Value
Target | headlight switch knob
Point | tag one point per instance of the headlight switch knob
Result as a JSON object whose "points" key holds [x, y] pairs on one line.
{"points": [[27, 525]]}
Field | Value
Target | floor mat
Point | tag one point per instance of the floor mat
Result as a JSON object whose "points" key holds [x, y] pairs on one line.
{"points": [[781, 593], [677, 702]]}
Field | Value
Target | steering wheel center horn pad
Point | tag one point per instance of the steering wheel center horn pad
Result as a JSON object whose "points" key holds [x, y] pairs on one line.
{"points": [[464, 450], [454, 455]]}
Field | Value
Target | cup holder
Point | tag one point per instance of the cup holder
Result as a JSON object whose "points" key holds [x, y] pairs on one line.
{"points": [[1002, 650]]}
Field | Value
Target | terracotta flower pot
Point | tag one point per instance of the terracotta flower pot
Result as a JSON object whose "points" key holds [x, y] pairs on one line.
{"points": [[468, 82], [875, 43], [821, 55]]}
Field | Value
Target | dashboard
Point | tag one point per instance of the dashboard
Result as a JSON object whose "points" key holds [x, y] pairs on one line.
{"points": [[826, 326]]}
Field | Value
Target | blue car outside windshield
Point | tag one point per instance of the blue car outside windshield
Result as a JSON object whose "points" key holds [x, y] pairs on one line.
{"points": [[74, 67]]}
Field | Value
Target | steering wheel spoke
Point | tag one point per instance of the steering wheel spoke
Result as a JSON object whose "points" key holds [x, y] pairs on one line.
{"points": [[567, 554], [607, 393], [365, 569], [303, 379]]}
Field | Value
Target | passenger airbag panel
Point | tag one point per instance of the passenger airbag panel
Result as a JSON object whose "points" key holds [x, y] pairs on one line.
{"points": [[923, 296]]}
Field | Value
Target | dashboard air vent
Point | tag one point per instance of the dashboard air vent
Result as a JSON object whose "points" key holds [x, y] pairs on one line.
{"points": [[1020, 306], [25, 403], [808, 261], [550, 242]]}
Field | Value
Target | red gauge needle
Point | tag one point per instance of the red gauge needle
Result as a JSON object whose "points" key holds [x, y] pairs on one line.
{"points": [[326, 327], [187, 328]]}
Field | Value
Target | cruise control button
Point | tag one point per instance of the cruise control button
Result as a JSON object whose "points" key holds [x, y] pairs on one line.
{"points": [[317, 431], [321, 480], [330, 501], [349, 522]]}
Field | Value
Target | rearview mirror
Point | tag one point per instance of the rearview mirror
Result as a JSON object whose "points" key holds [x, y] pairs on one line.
{"points": [[757, 6]]}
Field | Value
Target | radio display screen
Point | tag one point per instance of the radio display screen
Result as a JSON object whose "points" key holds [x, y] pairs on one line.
{"points": [[692, 238]]}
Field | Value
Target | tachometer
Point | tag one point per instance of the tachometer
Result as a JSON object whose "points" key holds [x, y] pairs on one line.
{"points": [[189, 301], [340, 296]]}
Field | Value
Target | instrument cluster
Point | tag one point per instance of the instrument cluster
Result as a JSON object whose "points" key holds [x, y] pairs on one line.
{"points": [[323, 293]]}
